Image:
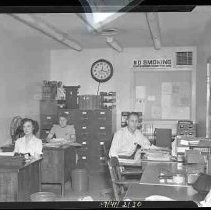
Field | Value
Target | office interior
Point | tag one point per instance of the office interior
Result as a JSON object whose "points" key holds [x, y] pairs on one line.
{"points": [[161, 69]]}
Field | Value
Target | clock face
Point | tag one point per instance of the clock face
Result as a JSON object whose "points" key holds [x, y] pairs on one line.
{"points": [[102, 70]]}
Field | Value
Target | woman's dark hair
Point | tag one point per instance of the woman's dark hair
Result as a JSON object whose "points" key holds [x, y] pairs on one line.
{"points": [[33, 122], [65, 116]]}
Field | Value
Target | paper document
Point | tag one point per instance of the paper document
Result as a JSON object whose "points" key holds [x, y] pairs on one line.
{"points": [[184, 142], [157, 155], [75, 144], [6, 153], [129, 161], [194, 142]]}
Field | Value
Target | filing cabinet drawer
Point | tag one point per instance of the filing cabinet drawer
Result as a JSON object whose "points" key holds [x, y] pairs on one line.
{"points": [[83, 137], [84, 115], [47, 121], [103, 129], [83, 162], [44, 133], [82, 152], [96, 162], [104, 137], [102, 115], [82, 128], [102, 133]]}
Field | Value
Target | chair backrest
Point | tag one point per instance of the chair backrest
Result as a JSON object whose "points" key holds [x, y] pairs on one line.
{"points": [[115, 174], [163, 137], [105, 152]]}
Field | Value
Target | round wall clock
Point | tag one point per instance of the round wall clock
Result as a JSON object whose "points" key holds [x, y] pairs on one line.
{"points": [[102, 70]]}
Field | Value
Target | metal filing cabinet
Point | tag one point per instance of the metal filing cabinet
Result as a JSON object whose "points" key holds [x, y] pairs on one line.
{"points": [[48, 116], [94, 128]]}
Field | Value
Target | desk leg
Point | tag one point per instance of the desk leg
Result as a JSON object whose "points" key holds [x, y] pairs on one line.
{"points": [[40, 177], [63, 188]]}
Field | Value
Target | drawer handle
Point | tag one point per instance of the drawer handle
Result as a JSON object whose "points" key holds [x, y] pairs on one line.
{"points": [[102, 128], [84, 157], [67, 112], [48, 118], [84, 112], [102, 112], [84, 127], [84, 142], [102, 143]]}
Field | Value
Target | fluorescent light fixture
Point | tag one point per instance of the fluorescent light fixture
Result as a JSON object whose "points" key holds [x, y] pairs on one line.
{"points": [[97, 13], [114, 44], [47, 29], [109, 5], [98, 20], [153, 23]]}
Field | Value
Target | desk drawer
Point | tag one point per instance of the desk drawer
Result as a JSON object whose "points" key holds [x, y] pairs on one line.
{"points": [[47, 121]]}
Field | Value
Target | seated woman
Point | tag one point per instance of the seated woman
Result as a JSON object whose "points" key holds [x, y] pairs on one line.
{"points": [[29, 143], [62, 130]]}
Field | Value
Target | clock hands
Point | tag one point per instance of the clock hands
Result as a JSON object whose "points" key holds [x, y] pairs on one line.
{"points": [[103, 70]]}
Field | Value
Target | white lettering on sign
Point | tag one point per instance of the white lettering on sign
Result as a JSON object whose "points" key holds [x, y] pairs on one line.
{"points": [[152, 63]]}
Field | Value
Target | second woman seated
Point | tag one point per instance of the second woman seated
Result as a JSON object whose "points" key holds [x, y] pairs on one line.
{"points": [[62, 130]]}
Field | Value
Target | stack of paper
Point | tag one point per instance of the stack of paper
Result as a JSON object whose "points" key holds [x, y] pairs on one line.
{"points": [[74, 144], [129, 161], [158, 155]]}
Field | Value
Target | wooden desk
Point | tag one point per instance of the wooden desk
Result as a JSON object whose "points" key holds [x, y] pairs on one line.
{"points": [[152, 171], [141, 191], [150, 184], [57, 165], [17, 183]]}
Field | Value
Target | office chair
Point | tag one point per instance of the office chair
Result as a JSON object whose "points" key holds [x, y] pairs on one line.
{"points": [[119, 183]]}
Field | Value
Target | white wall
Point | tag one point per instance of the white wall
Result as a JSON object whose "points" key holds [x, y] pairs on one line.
{"points": [[73, 68], [22, 70]]}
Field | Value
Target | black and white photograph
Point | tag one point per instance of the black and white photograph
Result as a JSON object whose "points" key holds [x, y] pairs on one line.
{"points": [[105, 104]]}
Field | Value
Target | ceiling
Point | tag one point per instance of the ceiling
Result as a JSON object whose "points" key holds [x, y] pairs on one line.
{"points": [[177, 29]]}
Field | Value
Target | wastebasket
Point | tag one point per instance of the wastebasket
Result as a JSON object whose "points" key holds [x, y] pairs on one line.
{"points": [[80, 180], [43, 196]]}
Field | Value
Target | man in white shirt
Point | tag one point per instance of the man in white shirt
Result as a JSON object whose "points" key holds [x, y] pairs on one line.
{"points": [[127, 139]]}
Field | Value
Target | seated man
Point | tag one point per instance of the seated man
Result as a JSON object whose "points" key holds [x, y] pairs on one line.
{"points": [[127, 139]]}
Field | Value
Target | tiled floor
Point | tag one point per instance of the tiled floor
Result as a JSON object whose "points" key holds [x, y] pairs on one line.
{"points": [[100, 188]]}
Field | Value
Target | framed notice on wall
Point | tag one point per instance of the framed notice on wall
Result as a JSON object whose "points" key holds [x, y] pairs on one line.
{"points": [[164, 95]]}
